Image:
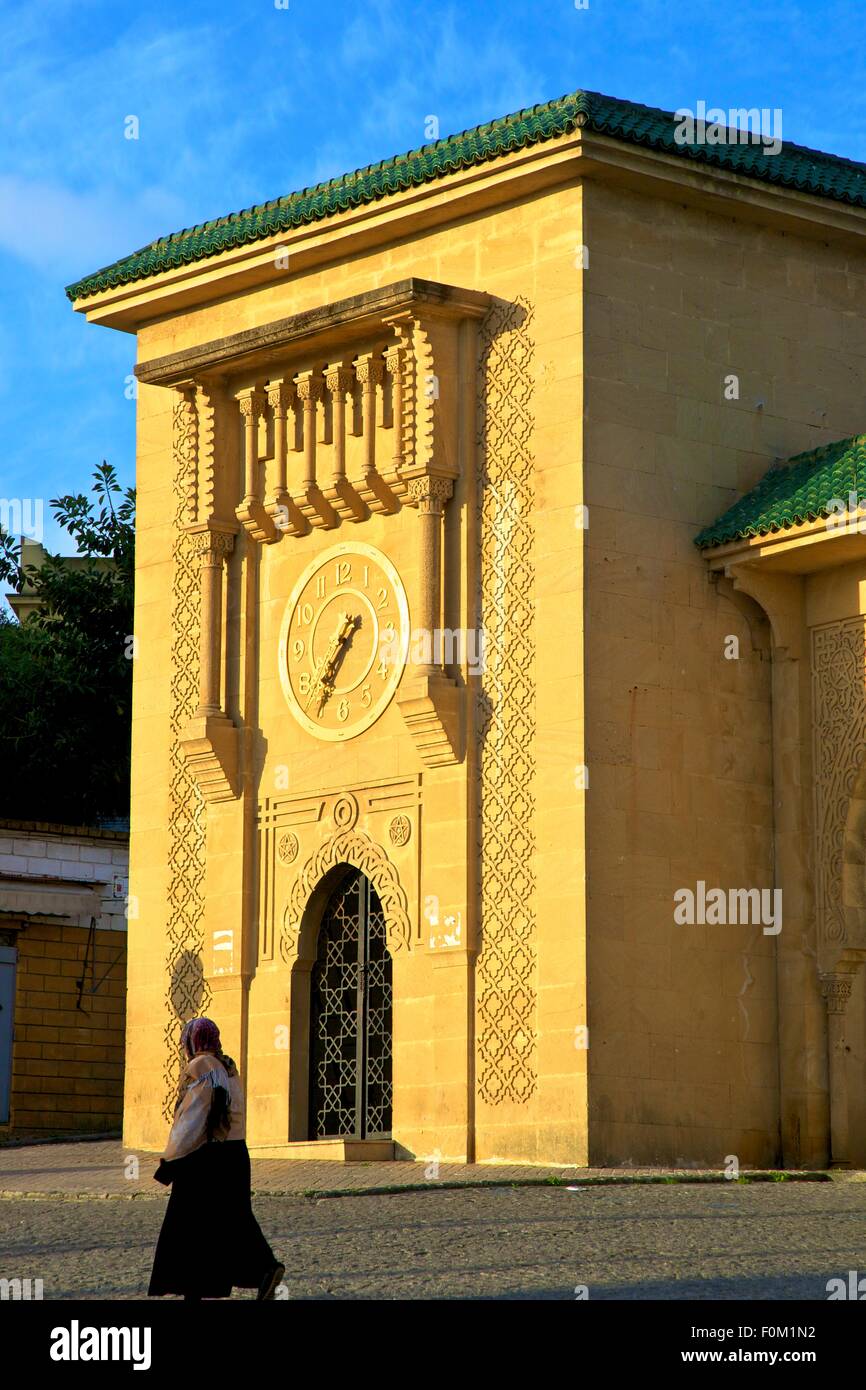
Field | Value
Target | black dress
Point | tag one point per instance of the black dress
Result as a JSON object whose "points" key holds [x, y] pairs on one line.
{"points": [[210, 1241]]}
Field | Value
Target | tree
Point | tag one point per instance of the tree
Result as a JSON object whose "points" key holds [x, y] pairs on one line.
{"points": [[66, 673]]}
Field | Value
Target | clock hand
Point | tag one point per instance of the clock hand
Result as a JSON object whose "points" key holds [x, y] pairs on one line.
{"points": [[324, 676]]}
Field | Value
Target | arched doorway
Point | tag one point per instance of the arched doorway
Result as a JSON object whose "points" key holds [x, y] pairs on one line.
{"points": [[350, 1017]]}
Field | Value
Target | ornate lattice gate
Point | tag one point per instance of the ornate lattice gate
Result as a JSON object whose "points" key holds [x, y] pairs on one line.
{"points": [[350, 1017]]}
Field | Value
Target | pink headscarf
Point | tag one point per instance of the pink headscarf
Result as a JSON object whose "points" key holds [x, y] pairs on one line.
{"points": [[200, 1035]]}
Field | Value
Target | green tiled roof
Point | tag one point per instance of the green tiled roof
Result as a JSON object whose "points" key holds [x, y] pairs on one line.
{"points": [[794, 166], [798, 491]]}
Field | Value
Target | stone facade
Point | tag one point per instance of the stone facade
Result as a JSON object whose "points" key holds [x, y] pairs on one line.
{"points": [[509, 385], [63, 931]]}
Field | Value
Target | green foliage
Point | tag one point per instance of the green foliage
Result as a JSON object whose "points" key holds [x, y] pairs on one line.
{"points": [[66, 673]]}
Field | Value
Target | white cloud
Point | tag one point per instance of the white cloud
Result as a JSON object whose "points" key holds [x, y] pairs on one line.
{"points": [[59, 231]]}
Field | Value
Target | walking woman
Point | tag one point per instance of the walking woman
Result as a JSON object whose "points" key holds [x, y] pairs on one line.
{"points": [[210, 1241]]}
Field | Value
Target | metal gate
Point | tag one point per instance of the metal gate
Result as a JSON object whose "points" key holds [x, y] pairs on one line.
{"points": [[350, 1017]]}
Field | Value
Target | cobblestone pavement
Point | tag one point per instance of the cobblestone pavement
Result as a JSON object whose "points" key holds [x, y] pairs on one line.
{"points": [[103, 1168], [773, 1241]]}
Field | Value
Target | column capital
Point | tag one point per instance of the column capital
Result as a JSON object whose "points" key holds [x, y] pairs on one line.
{"points": [[430, 492], [280, 394], [251, 402], [393, 357], [212, 545], [836, 990], [370, 369], [310, 386], [339, 377]]}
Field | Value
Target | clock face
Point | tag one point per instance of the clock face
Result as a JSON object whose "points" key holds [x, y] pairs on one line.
{"points": [[344, 640]]}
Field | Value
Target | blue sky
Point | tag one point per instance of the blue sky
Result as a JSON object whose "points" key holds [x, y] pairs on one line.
{"points": [[242, 101]]}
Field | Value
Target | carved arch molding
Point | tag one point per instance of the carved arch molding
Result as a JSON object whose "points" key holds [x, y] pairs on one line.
{"points": [[356, 848], [375, 828]]}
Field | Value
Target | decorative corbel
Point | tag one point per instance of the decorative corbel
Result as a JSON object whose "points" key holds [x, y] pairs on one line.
{"points": [[210, 740], [311, 501], [251, 513], [429, 699]]}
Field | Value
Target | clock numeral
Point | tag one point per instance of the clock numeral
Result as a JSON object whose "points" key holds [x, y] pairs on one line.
{"points": [[305, 614], [383, 598], [320, 586], [343, 711], [382, 669], [366, 576], [344, 571], [366, 697], [304, 682], [298, 648]]}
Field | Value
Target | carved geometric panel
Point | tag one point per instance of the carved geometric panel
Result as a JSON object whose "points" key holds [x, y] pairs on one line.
{"points": [[506, 969], [839, 747], [187, 994]]}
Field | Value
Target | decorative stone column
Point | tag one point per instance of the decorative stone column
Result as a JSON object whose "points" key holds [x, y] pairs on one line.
{"points": [[428, 698], [251, 513], [836, 989], [311, 501], [370, 371], [340, 380], [310, 389], [429, 495], [212, 549], [278, 504]]}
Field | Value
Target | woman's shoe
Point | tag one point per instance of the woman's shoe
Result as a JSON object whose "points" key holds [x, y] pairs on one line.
{"points": [[268, 1286]]}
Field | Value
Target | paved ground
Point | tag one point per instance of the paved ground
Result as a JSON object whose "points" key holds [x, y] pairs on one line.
{"points": [[773, 1241], [623, 1240], [105, 1168]]}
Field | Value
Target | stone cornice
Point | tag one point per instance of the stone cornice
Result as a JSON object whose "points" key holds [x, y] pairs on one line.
{"points": [[719, 190], [314, 328]]}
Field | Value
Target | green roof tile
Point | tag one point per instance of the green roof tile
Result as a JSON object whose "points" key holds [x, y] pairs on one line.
{"points": [[796, 492], [824, 175]]}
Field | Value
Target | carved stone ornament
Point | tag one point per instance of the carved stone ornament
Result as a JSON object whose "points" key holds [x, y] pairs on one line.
{"points": [[288, 848], [399, 830]]}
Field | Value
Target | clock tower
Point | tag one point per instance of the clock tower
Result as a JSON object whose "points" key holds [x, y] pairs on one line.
{"points": [[326, 523]]}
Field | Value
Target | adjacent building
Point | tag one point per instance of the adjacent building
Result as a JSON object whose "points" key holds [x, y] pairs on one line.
{"points": [[63, 930]]}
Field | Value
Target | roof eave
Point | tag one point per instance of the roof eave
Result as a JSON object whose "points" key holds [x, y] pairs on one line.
{"points": [[801, 549], [337, 236], [517, 174]]}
